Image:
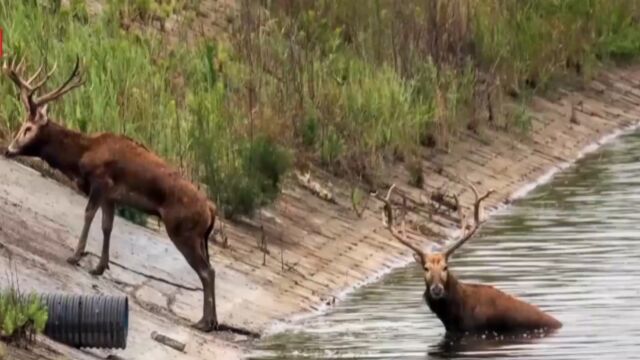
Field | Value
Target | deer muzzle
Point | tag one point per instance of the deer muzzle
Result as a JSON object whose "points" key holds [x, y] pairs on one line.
{"points": [[11, 151], [436, 291]]}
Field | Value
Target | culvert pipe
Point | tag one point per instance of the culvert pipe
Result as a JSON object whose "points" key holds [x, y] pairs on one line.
{"points": [[87, 321]]}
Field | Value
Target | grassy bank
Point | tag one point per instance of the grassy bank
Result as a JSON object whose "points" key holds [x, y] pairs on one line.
{"points": [[348, 85]]}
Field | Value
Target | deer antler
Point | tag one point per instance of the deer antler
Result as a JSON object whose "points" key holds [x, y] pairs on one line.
{"points": [[388, 211], [476, 218], [44, 80], [12, 70], [27, 90], [75, 80]]}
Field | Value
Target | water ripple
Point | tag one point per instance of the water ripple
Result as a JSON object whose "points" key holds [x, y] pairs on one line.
{"points": [[571, 247]]}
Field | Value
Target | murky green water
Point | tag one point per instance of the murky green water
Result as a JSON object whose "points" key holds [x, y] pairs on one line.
{"points": [[572, 248]]}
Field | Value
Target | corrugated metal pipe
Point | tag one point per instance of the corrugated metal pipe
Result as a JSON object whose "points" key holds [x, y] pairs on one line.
{"points": [[87, 321]]}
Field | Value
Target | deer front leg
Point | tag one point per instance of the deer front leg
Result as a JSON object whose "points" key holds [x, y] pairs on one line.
{"points": [[108, 213], [95, 197]]}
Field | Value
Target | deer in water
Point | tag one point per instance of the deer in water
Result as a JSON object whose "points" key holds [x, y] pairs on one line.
{"points": [[114, 170], [468, 308]]}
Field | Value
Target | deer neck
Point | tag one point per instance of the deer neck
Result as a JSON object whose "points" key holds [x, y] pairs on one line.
{"points": [[449, 308], [62, 148]]}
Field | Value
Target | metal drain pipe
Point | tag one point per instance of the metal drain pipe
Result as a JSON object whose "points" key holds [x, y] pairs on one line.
{"points": [[87, 321]]}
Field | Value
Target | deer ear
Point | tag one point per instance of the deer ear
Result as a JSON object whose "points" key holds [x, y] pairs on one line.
{"points": [[417, 258], [42, 117]]}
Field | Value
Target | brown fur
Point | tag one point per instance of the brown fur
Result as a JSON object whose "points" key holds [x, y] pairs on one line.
{"points": [[477, 308], [114, 170], [463, 307]]}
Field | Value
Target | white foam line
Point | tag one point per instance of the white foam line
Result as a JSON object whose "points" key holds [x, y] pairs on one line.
{"points": [[281, 325], [546, 177]]}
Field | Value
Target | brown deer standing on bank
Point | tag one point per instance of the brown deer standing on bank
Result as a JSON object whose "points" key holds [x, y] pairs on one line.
{"points": [[114, 170], [471, 308]]}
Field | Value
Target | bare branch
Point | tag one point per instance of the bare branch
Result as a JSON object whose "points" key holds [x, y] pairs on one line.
{"points": [[354, 204], [165, 340], [441, 198]]}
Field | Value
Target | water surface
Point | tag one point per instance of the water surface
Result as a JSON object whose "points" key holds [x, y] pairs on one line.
{"points": [[572, 247]]}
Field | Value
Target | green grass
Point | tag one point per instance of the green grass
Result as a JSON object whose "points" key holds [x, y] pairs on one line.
{"points": [[363, 82], [350, 85], [172, 100], [133, 215], [148, 10], [21, 317]]}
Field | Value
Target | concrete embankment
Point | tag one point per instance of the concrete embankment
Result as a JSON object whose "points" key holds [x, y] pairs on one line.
{"points": [[316, 249]]}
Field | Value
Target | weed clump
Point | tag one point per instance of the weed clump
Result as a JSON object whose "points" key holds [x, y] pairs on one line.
{"points": [[21, 316]]}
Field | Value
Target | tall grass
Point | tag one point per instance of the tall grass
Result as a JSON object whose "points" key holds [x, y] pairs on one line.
{"points": [[347, 84], [171, 99], [361, 81]]}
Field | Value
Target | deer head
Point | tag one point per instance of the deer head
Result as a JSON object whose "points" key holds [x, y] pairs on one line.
{"points": [[36, 107], [434, 264]]}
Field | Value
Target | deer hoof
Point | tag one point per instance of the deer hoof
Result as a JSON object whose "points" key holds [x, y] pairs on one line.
{"points": [[99, 270], [74, 260], [205, 325]]}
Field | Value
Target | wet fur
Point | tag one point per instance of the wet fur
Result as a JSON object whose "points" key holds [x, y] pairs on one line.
{"points": [[468, 308], [476, 308]]}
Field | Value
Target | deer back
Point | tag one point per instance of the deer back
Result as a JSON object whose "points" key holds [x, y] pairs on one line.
{"points": [[481, 308]]}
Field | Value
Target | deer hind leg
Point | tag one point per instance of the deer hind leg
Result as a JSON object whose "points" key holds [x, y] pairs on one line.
{"points": [[108, 213], [192, 248], [96, 196]]}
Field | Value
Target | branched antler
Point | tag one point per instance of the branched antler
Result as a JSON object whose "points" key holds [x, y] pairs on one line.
{"points": [[388, 213], [388, 220], [75, 80], [14, 70], [476, 217]]}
